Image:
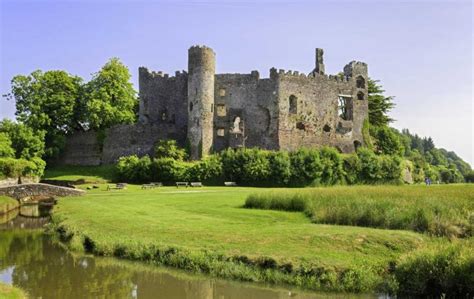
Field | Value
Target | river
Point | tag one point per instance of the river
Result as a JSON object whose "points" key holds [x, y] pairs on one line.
{"points": [[29, 259]]}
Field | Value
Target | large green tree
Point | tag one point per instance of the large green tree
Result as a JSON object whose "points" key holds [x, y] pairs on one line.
{"points": [[379, 105], [26, 143], [46, 102], [110, 97]]}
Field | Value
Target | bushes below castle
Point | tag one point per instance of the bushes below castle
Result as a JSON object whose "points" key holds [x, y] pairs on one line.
{"points": [[255, 167], [13, 168]]}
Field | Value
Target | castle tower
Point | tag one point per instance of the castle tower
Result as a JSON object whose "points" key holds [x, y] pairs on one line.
{"points": [[319, 68], [201, 72]]}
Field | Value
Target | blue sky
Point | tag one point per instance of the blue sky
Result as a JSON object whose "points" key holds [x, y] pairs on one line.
{"points": [[420, 50]]}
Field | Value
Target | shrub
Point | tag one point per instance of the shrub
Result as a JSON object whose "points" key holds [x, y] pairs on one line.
{"points": [[306, 167], [10, 167], [134, 169], [332, 171], [169, 149], [352, 167], [168, 170], [208, 169], [445, 270], [280, 168]]}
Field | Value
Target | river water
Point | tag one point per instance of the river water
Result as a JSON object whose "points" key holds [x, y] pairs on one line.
{"points": [[29, 259]]}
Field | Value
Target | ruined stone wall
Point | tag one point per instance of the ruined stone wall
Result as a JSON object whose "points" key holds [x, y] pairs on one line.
{"points": [[245, 108], [163, 101], [82, 148], [309, 114]]}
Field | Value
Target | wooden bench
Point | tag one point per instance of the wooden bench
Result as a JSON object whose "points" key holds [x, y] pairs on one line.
{"points": [[156, 184], [181, 184], [148, 186], [228, 184], [196, 184], [118, 186]]}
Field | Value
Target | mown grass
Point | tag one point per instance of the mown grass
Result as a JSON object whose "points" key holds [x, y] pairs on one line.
{"points": [[11, 292], [445, 210], [206, 230], [82, 174]]}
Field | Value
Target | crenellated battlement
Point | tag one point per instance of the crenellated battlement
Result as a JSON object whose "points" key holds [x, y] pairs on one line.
{"points": [[159, 75]]}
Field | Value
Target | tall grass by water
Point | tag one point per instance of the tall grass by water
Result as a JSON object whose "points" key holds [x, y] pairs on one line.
{"points": [[438, 210]]}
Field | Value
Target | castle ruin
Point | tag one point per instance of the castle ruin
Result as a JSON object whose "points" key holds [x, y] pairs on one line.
{"points": [[210, 112]]}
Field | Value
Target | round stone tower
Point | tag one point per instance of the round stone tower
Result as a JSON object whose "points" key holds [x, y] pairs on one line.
{"points": [[201, 72]]}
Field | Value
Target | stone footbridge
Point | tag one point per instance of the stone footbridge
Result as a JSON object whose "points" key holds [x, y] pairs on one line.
{"points": [[38, 190]]}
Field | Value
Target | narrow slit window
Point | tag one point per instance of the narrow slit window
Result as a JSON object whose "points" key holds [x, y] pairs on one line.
{"points": [[293, 104]]}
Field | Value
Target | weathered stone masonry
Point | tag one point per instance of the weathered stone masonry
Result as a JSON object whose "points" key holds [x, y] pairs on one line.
{"points": [[210, 112]]}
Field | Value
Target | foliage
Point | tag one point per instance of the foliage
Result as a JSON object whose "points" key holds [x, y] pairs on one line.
{"points": [[81, 174], [46, 102], [134, 169], [26, 143], [10, 167], [6, 150], [440, 212], [387, 142], [110, 97], [445, 270], [379, 105], [305, 166], [169, 149]]}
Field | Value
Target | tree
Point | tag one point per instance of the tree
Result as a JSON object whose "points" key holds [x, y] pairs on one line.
{"points": [[46, 103], [379, 104], [26, 143], [110, 97], [387, 141], [6, 150]]}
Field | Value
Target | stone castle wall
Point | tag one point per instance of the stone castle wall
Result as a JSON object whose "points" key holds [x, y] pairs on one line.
{"points": [[211, 112]]}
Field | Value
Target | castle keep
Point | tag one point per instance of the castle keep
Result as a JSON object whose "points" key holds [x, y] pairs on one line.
{"points": [[210, 112]]}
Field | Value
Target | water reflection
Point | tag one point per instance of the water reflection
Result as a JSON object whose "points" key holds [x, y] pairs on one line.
{"points": [[44, 269]]}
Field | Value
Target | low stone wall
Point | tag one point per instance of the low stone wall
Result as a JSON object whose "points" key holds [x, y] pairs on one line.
{"points": [[38, 190]]}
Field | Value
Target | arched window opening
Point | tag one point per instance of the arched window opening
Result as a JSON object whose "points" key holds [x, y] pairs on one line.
{"points": [[360, 82], [345, 107], [360, 96], [293, 104], [357, 144], [191, 106]]}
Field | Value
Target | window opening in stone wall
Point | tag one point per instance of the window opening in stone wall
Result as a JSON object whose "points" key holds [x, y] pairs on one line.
{"points": [[345, 107], [360, 82], [191, 106], [222, 92], [293, 104], [221, 110], [327, 128], [236, 125], [212, 107], [357, 144], [360, 96], [220, 132]]}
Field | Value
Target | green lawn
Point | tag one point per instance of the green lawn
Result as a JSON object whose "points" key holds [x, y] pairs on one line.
{"points": [[213, 219], [207, 230]]}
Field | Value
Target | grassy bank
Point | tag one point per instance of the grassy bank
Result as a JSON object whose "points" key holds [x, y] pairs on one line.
{"points": [[7, 204], [206, 230], [11, 292], [445, 210]]}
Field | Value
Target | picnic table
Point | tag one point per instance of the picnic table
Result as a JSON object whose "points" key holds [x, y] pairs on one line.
{"points": [[152, 185], [117, 186], [196, 184], [230, 184], [182, 184]]}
